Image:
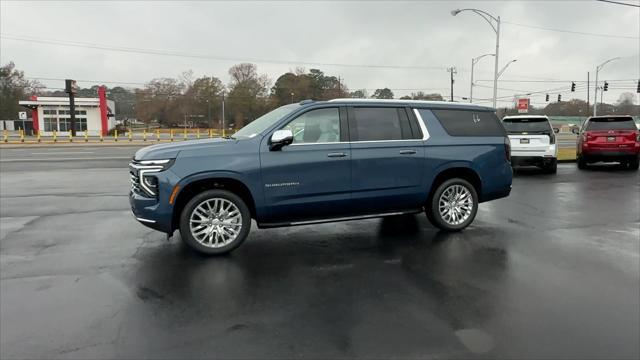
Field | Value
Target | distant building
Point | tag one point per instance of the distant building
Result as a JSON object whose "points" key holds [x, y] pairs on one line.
{"points": [[93, 115]]}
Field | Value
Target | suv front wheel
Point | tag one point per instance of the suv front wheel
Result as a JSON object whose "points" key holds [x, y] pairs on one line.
{"points": [[215, 222], [453, 206]]}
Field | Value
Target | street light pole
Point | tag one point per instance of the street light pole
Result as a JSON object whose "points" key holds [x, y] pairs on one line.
{"points": [[598, 68], [495, 67], [474, 61], [505, 68], [496, 28]]}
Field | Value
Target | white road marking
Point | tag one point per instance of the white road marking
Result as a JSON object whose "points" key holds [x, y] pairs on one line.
{"points": [[66, 159], [62, 152]]}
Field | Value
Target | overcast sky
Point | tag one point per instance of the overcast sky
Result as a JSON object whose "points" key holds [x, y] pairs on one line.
{"points": [[280, 36]]}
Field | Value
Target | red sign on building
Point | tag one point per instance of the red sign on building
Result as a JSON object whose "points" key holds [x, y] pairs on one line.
{"points": [[523, 105]]}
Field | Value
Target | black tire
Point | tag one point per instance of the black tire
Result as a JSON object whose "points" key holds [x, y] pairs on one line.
{"points": [[552, 167], [433, 212], [634, 164], [193, 243], [582, 164]]}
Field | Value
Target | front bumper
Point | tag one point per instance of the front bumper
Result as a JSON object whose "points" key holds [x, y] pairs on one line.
{"points": [[149, 212]]}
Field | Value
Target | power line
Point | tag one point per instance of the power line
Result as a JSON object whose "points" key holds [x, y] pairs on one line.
{"points": [[572, 32], [619, 3], [205, 56]]}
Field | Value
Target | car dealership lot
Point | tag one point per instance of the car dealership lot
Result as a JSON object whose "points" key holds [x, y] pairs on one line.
{"points": [[551, 271]]}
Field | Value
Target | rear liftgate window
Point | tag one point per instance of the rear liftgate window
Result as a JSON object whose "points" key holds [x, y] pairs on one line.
{"points": [[531, 126], [613, 123], [470, 123]]}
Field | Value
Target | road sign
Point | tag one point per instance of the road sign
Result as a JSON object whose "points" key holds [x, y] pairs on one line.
{"points": [[22, 115], [523, 106]]}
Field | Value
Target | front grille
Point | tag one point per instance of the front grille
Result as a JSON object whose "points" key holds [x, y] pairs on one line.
{"points": [[135, 183]]}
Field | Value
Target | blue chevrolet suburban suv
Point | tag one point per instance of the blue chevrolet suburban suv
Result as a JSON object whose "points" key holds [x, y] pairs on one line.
{"points": [[322, 161]]}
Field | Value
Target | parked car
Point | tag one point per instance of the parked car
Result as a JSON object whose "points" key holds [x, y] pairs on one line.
{"points": [[609, 138], [325, 161], [533, 141]]}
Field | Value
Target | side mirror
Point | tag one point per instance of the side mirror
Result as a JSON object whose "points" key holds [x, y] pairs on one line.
{"points": [[556, 130], [575, 130], [279, 139]]}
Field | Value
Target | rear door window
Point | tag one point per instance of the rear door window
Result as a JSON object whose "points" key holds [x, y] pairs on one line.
{"points": [[528, 125], [379, 124], [612, 123], [470, 123]]}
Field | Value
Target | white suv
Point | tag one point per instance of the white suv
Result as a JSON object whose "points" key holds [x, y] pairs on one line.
{"points": [[533, 141]]}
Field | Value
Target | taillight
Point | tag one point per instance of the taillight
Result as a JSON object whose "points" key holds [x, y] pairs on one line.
{"points": [[552, 138], [507, 149]]}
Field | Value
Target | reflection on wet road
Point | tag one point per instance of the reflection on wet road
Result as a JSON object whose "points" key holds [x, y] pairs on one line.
{"points": [[552, 271]]}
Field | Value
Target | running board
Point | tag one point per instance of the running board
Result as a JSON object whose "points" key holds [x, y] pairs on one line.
{"points": [[329, 220]]}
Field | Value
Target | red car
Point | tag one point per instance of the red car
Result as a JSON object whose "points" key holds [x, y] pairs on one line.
{"points": [[609, 138]]}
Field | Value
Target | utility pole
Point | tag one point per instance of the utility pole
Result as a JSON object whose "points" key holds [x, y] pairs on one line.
{"points": [[222, 124], [452, 70], [71, 88], [588, 106], [210, 121]]}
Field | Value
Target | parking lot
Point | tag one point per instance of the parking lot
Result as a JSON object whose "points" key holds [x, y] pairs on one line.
{"points": [[553, 271]]}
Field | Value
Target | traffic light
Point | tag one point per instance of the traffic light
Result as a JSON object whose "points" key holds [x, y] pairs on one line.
{"points": [[546, 98], [573, 86], [606, 86], [638, 89], [559, 97]]}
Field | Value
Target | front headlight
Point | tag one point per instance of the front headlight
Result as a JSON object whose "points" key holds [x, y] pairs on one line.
{"points": [[143, 174]]}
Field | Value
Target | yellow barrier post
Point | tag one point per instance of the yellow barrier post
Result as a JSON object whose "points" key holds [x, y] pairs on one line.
{"points": [[38, 136], [210, 134], [130, 135], [86, 136], [101, 137], [55, 136], [144, 135], [70, 136], [185, 133], [5, 135], [198, 133], [115, 135], [171, 134], [158, 134], [21, 135]]}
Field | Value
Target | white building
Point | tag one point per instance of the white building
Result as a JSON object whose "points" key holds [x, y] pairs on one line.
{"points": [[93, 115]]}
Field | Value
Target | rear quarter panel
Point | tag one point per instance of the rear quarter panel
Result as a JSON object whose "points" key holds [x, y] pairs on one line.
{"points": [[484, 155]]}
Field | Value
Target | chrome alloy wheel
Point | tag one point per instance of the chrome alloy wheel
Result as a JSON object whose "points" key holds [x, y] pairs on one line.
{"points": [[455, 204], [215, 222]]}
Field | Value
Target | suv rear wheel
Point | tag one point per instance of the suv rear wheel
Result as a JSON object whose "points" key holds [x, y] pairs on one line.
{"points": [[454, 205], [582, 164], [634, 164], [215, 222], [551, 167]]}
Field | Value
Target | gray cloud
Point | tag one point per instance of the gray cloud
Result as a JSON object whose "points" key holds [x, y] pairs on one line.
{"points": [[385, 33]]}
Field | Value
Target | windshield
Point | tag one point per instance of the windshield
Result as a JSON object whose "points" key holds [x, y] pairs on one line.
{"points": [[260, 124], [616, 123], [529, 125]]}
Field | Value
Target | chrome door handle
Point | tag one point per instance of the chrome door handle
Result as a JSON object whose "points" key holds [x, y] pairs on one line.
{"points": [[407, 152], [336, 154]]}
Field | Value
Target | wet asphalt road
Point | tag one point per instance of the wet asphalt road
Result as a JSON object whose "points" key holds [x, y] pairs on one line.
{"points": [[553, 271]]}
